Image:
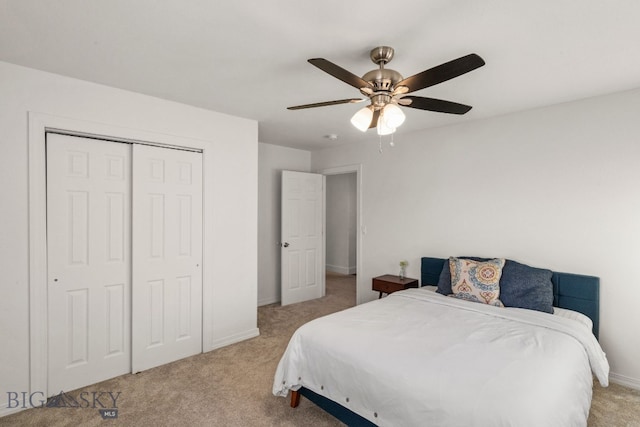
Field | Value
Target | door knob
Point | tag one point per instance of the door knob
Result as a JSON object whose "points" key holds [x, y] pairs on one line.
{"points": [[285, 244]]}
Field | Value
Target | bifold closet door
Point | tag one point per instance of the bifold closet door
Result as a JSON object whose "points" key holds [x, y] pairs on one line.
{"points": [[89, 261], [167, 256]]}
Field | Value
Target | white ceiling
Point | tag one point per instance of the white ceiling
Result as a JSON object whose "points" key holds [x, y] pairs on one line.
{"points": [[248, 58]]}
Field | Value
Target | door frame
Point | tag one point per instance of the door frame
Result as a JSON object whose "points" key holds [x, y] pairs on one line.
{"points": [[340, 170], [39, 124]]}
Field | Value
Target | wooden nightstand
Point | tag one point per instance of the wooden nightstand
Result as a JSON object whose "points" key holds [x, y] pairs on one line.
{"points": [[390, 283]]}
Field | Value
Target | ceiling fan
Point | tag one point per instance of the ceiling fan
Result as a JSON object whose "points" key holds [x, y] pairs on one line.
{"points": [[387, 89]]}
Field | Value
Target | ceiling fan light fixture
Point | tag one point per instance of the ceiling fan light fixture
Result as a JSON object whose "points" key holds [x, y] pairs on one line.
{"points": [[362, 119], [392, 116], [383, 128]]}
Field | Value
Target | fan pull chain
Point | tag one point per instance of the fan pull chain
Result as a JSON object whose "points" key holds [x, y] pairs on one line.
{"points": [[391, 143]]}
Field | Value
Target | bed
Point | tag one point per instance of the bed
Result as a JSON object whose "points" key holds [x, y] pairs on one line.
{"points": [[418, 357]]}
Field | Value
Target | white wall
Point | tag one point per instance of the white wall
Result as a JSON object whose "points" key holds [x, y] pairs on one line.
{"points": [[557, 187], [231, 180], [272, 160], [341, 223]]}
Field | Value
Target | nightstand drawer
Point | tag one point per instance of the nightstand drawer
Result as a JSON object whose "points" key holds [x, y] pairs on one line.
{"points": [[386, 287]]}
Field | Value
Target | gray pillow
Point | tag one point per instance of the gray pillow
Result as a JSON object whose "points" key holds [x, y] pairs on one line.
{"points": [[520, 285]]}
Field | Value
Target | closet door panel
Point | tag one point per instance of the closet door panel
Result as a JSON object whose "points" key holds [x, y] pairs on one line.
{"points": [[89, 261], [167, 255]]}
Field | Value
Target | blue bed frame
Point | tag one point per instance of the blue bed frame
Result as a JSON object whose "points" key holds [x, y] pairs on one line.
{"points": [[571, 291]]}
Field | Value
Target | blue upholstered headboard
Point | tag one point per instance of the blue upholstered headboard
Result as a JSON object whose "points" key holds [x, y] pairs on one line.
{"points": [[571, 291]]}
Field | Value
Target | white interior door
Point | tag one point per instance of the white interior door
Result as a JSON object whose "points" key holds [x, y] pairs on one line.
{"points": [[167, 256], [88, 246], [302, 262]]}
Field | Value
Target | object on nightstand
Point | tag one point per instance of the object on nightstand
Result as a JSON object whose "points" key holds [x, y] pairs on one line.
{"points": [[403, 269]]}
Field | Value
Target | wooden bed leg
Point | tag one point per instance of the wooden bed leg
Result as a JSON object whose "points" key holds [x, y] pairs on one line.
{"points": [[295, 398]]}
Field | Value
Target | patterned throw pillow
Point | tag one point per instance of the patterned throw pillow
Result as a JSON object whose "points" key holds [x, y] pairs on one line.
{"points": [[476, 281]]}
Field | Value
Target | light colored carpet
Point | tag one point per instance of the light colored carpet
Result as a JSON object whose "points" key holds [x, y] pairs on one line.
{"points": [[232, 386]]}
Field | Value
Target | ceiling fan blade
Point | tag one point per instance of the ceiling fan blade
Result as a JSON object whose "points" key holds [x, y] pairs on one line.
{"points": [[324, 104], [374, 119], [339, 73], [442, 72], [432, 104]]}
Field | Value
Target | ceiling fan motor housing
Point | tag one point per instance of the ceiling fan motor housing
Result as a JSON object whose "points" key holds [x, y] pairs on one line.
{"points": [[383, 79]]}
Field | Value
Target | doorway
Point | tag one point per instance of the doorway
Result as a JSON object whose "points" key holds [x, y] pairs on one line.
{"points": [[341, 218], [343, 223]]}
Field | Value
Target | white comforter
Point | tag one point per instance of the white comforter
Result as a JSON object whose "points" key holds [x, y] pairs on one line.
{"points": [[417, 358]]}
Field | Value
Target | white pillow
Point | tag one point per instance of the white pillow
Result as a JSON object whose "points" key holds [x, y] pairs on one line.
{"points": [[570, 314]]}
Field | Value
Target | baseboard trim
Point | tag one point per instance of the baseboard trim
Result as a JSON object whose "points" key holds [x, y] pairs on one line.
{"points": [[633, 383], [232, 339], [267, 301], [338, 269]]}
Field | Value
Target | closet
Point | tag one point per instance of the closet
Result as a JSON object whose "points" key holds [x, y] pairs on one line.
{"points": [[124, 257]]}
